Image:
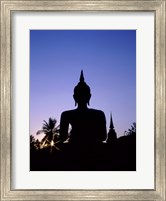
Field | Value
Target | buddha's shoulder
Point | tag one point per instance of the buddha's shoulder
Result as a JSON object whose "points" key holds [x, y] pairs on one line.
{"points": [[76, 112], [68, 112], [96, 111]]}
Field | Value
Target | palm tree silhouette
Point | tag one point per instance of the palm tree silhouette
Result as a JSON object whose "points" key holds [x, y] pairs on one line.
{"points": [[51, 132]]}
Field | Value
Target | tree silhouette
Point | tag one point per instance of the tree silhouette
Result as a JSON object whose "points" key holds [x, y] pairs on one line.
{"points": [[34, 144], [131, 131], [51, 132], [37, 144]]}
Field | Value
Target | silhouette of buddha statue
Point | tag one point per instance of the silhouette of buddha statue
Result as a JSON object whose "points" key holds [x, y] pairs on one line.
{"points": [[88, 125]]}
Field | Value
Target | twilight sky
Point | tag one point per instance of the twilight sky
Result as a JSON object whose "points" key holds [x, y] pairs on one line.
{"points": [[108, 59]]}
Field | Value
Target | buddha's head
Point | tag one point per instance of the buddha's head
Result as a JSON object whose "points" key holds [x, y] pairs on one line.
{"points": [[82, 93]]}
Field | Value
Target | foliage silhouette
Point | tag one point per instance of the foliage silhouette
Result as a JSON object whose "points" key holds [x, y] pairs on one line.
{"points": [[34, 144], [51, 132], [132, 130]]}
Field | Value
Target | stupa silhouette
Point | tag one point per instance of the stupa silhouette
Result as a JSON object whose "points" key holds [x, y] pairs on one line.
{"points": [[112, 136]]}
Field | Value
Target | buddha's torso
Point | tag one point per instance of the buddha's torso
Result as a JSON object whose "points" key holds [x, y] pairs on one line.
{"points": [[87, 125]]}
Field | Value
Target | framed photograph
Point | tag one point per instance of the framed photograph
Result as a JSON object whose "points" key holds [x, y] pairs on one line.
{"points": [[87, 144], [83, 100]]}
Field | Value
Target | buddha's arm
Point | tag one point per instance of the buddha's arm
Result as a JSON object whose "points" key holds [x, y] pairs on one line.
{"points": [[64, 125]]}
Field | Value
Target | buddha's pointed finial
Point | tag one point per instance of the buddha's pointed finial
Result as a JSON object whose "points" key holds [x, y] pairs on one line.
{"points": [[82, 76], [81, 87]]}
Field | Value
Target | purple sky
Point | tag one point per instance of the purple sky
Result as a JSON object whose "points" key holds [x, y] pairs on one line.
{"points": [[108, 59]]}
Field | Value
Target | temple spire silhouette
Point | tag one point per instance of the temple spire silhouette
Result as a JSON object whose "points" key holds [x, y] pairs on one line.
{"points": [[112, 136], [111, 123]]}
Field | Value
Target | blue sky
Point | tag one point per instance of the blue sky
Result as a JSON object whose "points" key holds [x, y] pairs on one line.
{"points": [[108, 59]]}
